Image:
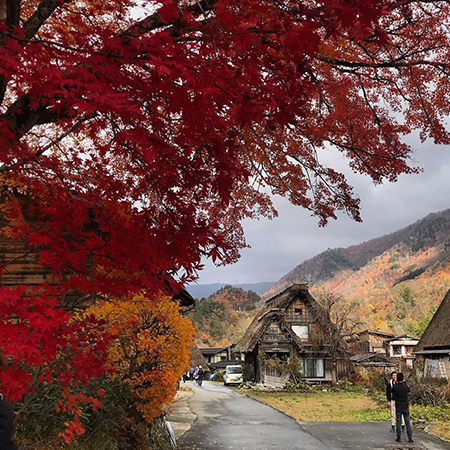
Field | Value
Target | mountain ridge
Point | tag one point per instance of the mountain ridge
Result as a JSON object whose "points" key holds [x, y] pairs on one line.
{"points": [[205, 290], [432, 231], [393, 283]]}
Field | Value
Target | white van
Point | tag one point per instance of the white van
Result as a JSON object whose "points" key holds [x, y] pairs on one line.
{"points": [[232, 375]]}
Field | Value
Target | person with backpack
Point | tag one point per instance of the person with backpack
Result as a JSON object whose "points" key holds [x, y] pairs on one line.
{"points": [[200, 373]]}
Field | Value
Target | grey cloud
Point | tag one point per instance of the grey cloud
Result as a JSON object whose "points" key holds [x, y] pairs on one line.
{"points": [[281, 244]]}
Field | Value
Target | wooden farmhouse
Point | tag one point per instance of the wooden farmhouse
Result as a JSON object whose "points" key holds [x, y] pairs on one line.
{"points": [[220, 357], [373, 341], [19, 266], [291, 326], [402, 347], [217, 354], [432, 352]]}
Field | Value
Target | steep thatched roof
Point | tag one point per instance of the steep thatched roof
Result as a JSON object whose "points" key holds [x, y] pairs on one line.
{"points": [[437, 333], [275, 308], [197, 358]]}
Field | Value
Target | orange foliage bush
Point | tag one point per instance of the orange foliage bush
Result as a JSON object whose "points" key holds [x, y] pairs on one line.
{"points": [[150, 350]]}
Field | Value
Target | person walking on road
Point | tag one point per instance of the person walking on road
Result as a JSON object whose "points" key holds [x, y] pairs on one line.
{"points": [[200, 373], [400, 391], [391, 402]]}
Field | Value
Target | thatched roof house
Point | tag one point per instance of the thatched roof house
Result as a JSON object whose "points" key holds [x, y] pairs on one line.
{"points": [[433, 349], [260, 325], [293, 324]]}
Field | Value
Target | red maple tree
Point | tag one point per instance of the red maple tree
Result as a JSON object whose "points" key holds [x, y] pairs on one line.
{"points": [[135, 136]]}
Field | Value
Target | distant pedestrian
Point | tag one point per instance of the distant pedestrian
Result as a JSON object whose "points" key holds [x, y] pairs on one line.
{"points": [[191, 373], [400, 391], [200, 373], [391, 402], [6, 425], [196, 374]]}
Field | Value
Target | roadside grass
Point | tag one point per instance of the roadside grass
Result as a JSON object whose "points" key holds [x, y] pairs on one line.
{"points": [[351, 406], [436, 417], [441, 428], [322, 406]]}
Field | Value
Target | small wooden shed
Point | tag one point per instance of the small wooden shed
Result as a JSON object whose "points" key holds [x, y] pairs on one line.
{"points": [[373, 341]]}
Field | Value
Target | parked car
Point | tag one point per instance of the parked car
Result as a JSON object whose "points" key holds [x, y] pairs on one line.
{"points": [[232, 375]]}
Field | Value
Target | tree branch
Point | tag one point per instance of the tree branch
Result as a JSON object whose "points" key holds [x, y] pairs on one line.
{"points": [[10, 17], [38, 18], [23, 118], [154, 22]]}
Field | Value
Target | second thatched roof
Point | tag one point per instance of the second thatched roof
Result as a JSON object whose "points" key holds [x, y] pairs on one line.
{"points": [[437, 334], [197, 358]]}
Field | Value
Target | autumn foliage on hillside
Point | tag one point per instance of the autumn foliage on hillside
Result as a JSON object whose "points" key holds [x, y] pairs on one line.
{"points": [[398, 289], [222, 318], [393, 283], [136, 136], [396, 292]]}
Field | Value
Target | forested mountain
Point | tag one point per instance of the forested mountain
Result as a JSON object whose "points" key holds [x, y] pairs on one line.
{"points": [[222, 318], [205, 290], [394, 282]]}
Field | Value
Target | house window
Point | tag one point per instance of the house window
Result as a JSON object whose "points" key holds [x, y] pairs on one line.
{"points": [[431, 369], [313, 368], [397, 350], [275, 337], [273, 372], [298, 311], [301, 331]]}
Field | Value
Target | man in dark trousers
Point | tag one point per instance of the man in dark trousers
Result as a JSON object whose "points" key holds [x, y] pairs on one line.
{"points": [[6, 425], [200, 373], [400, 392], [391, 402]]}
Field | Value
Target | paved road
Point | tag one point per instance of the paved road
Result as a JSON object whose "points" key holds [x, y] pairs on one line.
{"points": [[218, 418], [227, 420]]}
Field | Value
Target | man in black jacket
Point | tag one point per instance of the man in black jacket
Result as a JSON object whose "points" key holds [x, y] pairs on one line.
{"points": [[400, 392], [391, 402], [6, 424]]}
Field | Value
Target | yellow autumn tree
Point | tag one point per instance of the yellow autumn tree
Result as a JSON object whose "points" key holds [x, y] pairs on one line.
{"points": [[151, 347]]}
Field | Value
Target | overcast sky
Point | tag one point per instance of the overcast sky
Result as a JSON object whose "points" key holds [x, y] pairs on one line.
{"points": [[278, 245]]}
